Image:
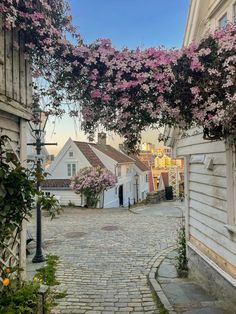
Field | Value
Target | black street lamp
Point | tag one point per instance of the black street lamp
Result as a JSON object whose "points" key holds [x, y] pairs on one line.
{"points": [[136, 176], [37, 126]]}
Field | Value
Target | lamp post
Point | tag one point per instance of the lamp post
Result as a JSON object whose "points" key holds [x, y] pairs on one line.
{"points": [[37, 126], [136, 183]]}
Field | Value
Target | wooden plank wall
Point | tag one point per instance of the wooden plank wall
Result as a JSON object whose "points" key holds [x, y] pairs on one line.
{"points": [[208, 196], [15, 73]]}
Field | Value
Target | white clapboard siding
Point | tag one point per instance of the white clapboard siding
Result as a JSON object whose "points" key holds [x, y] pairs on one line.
{"points": [[207, 193], [66, 196], [218, 170], [219, 193], [209, 222], [208, 179], [203, 148], [15, 71], [210, 211], [208, 200]]}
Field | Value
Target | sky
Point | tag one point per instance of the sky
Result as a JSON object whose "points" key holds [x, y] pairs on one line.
{"points": [[128, 23]]}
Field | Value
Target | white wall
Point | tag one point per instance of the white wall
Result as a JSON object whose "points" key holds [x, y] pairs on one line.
{"points": [[58, 168], [207, 198]]}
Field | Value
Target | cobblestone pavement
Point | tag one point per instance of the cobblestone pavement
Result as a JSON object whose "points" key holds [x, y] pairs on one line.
{"points": [[105, 256]]}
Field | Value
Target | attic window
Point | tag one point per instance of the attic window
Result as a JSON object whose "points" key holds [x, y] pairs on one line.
{"points": [[71, 154]]}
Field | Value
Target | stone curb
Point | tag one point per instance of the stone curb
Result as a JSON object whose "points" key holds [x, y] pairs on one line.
{"points": [[155, 287]]}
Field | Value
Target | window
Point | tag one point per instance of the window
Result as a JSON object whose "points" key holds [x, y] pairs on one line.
{"points": [[71, 154], [47, 194], [234, 12], [119, 171], [71, 170], [147, 177], [223, 21]]}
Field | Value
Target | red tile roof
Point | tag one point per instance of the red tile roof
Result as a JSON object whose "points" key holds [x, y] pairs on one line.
{"points": [[56, 183], [112, 153], [89, 154], [139, 163]]}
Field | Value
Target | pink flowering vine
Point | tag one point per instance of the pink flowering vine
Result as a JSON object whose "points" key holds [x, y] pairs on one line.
{"points": [[128, 90]]}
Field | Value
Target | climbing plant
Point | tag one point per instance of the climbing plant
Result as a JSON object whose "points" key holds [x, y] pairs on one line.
{"points": [[125, 90]]}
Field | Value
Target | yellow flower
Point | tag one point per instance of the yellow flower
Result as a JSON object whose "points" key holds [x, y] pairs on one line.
{"points": [[6, 282]]}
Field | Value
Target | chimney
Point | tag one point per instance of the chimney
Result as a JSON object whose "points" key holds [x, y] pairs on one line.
{"points": [[102, 138]]}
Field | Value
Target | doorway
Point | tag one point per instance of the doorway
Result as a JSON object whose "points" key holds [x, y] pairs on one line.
{"points": [[121, 198]]}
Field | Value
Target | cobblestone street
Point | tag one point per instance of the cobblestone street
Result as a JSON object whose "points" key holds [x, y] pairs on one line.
{"points": [[106, 254]]}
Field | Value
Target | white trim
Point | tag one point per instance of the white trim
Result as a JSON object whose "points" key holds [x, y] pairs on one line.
{"points": [[213, 265]]}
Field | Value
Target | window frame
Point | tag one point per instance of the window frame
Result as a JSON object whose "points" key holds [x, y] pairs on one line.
{"points": [[71, 169], [222, 26], [234, 12]]}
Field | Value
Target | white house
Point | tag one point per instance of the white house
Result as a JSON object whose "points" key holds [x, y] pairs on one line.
{"points": [[210, 177], [132, 175]]}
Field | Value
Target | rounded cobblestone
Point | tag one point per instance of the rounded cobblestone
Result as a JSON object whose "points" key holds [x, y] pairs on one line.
{"points": [[105, 270]]}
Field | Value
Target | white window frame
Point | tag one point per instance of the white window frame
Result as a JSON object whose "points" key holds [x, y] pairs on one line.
{"points": [[222, 21], [71, 169], [71, 154]]}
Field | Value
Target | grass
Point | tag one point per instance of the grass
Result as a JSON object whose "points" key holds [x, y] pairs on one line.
{"points": [[47, 276], [160, 306]]}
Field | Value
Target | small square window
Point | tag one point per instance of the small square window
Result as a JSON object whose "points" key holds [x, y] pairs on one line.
{"points": [[71, 154], [223, 21]]}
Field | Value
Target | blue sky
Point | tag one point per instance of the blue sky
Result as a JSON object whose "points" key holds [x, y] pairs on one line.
{"points": [[131, 23]]}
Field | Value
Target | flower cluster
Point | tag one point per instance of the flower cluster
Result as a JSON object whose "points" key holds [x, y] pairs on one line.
{"points": [[42, 26], [91, 182], [128, 90], [204, 90]]}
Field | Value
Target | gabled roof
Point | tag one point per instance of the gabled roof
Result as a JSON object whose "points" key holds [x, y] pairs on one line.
{"points": [[112, 153], [89, 154], [139, 163]]}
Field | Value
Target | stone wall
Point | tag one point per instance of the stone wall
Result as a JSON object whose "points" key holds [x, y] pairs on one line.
{"points": [[209, 278], [155, 197]]}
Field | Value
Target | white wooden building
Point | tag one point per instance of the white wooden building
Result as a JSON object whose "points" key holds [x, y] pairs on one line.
{"points": [[15, 104], [132, 175], [210, 177]]}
